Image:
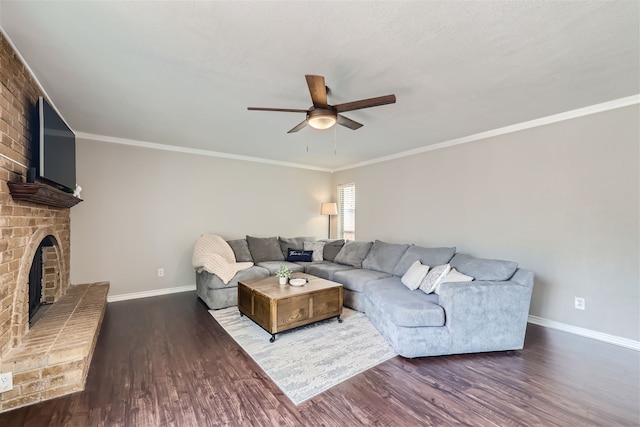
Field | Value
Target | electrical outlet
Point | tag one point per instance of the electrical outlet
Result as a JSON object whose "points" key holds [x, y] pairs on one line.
{"points": [[6, 382], [579, 303], [161, 272]]}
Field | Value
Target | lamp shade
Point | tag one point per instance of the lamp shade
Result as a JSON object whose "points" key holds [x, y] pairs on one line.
{"points": [[329, 209]]}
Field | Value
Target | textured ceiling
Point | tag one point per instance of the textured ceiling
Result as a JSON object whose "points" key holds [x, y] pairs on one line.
{"points": [[183, 73]]}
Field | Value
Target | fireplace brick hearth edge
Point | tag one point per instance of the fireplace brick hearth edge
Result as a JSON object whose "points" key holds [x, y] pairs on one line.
{"points": [[53, 358]]}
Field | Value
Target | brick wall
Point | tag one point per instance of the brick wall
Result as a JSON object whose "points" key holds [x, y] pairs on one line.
{"points": [[22, 225]]}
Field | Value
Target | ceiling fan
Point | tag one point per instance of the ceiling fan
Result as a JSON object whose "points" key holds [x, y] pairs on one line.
{"points": [[322, 115]]}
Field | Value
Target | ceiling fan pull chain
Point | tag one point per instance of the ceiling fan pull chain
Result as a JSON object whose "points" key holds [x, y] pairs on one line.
{"points": [[335, 140]]}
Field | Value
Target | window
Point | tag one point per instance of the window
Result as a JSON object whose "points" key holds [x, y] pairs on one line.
{"points": [[347, 211]]}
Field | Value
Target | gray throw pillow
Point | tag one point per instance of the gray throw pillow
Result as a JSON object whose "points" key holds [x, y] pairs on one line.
{"points": [[353, 253], [427, 256], [264, 249], [287, 243], [241, 250], [384, 256], [331, 249], [484, 269]]}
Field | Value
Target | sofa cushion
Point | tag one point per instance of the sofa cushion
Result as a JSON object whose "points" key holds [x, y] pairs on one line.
{"points": [[484, 269], [273, 266], [317, 248], [295, 255], [331, 249], [434, 277], [384, 256], [293, 243], [427, 256], [357, 279], [404, 307], [264, 249], [326, 270], [415, 275], [353, 253], [241, 250]]}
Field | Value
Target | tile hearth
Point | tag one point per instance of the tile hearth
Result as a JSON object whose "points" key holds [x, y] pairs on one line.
{"points": [[54, 356]]}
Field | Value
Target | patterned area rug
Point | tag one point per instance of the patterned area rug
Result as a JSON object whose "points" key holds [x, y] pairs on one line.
{"points": [[309, 360]]}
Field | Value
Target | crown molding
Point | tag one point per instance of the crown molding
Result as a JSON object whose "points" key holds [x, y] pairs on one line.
{"points": [[196, 151], [568, 115]]}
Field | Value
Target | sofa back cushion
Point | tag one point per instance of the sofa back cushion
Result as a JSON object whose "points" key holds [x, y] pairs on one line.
{"points": [[484, 269], [241, 250], [427, 256], [353, 253], [331, 249], [287, 243], [384, 256], [264, 249]]}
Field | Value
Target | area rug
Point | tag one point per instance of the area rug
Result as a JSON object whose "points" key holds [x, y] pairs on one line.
{"points": [[309, 360]]}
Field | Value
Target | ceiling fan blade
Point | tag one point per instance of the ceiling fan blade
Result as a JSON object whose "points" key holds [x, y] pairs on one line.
{"points": [[298, 126], [346, 122], [317, 89], [365, 103], [286, 110]]}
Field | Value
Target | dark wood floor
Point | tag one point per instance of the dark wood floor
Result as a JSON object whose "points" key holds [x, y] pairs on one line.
{"points": [[164, 361]]}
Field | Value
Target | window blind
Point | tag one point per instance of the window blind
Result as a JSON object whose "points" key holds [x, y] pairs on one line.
{"points": [[347, 211]]}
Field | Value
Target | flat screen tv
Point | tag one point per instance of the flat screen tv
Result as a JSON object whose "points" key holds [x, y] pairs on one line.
{"points": [[56, 150]]}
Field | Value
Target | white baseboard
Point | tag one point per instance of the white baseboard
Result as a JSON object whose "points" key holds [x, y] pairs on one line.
{"points": [[611, 339], [153, 293]]}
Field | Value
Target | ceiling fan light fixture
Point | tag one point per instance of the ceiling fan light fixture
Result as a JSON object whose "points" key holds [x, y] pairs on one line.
{"points": [[321, 119]]}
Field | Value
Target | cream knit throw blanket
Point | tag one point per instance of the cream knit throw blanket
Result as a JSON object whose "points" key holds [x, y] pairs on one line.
{"points": [[213, 254]]}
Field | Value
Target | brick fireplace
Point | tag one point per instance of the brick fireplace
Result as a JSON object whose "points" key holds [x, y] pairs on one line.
{"points": [[51, 358]]}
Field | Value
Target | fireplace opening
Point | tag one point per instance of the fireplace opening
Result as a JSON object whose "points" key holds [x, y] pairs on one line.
{"points": [[38, 273]]}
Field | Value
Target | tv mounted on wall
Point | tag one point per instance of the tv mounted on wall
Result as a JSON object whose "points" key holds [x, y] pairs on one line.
{"points": [[56, 148]]}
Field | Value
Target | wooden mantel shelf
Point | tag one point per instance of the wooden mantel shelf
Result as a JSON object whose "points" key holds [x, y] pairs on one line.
{"points": [[42, 194]]}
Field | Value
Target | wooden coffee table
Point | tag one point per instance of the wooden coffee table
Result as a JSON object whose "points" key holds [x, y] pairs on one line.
{"points": [[278, 308]]}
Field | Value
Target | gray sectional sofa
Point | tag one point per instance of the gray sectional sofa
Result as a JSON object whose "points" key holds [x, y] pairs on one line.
{"points": [[486, 314]]}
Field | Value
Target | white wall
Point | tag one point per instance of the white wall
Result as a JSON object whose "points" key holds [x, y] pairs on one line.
{"points": [[561, 199], [143, 209]]}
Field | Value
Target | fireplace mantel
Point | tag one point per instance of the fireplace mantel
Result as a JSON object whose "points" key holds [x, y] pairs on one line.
{"points": [[36, 192]]}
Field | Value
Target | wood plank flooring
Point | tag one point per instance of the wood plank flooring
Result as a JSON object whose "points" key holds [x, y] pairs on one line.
{"points": [[164, 361]]}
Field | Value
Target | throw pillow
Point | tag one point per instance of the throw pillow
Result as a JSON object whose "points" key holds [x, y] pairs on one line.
{"points": [[353, 253], [317, 248], [240, 250], [295, 255], [434, 277], [453, 276], [415, 275], [264, 249]]}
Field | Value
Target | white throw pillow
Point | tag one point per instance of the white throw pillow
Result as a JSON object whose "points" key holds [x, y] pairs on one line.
{"points": [[434, 277], [454, 276], [317, 248], [415, 275]]}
